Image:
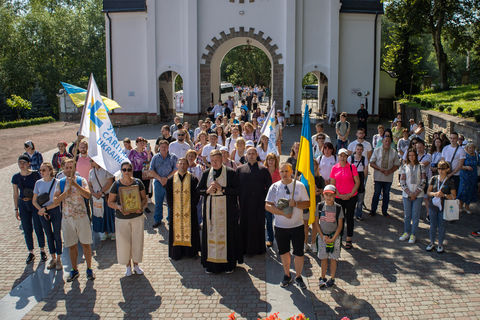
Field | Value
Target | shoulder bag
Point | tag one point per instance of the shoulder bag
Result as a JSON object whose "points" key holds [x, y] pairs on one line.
{"points": [[45, 197]]}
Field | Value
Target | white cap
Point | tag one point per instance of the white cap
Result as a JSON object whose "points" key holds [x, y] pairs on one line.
{"points": [[343, 150], [330, 189], [249, 144], [224, 149]]}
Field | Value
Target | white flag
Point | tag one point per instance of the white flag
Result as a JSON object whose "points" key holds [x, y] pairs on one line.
{"points": [[103, 145], [268, 129]]}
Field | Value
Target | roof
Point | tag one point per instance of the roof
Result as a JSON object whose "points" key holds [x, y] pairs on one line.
{"points": [[362, 6], [124, 5]]}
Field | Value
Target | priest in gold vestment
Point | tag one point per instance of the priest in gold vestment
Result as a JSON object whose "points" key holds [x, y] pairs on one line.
{"points": [[182, 197]]}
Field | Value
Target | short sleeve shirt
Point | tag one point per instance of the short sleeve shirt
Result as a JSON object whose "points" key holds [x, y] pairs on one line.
{"points": [[179, 149], [327, 217], [391, 160], [277, 191], [114, 190], [24, 182], [325, 165], [207, 149], [367, 147], [343, 176], [163, 166], [448, 153], [73, 206], [342, 127], [102, 175], [42, 186]]}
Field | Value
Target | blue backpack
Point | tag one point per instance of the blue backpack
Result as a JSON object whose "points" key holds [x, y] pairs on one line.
{"points": [[64, 180]]}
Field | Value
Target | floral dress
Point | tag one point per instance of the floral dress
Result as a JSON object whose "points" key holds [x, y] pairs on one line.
{"points": [[467, 191]]}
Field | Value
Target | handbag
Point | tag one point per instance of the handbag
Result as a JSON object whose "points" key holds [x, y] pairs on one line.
{"points": [[451, 210], [45, 197], [98, 209], [146, 172]]}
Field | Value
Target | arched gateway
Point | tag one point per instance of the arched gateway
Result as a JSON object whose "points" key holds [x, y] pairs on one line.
{"points": [[150, 41]]}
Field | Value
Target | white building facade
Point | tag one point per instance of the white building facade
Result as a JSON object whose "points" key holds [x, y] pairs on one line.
{"points": [[150, 42]]}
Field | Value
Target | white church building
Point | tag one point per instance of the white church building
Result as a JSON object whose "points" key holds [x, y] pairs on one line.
{"points": [[150, 42]]}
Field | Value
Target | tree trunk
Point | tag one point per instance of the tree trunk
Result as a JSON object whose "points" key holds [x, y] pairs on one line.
{"points": [[441, 57]]}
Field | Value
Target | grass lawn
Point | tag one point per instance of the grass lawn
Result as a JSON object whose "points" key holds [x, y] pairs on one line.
{"points": [[467, 97]]}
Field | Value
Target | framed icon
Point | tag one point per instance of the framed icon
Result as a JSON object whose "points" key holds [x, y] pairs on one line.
{"points": [[130, 199]]}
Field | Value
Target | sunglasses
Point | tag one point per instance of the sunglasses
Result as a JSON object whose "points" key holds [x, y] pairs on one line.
{"points": [[127, 169]]}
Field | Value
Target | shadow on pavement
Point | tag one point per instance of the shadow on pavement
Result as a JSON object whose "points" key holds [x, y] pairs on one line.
{"points": [[79, 303], [140, 297]]}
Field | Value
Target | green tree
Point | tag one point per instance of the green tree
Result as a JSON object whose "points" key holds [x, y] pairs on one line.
{"points": [[246, 65], [19, 105], [40, 106], [309, 78]]}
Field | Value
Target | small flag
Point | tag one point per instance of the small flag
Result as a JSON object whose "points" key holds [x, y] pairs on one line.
{"points": [[78, 95], [103, 145], [268, 129]]}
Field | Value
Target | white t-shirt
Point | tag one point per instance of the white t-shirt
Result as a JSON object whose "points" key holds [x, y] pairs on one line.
{"points": [[230, 143], [179, 149], [367, 147], [207, 149], [325, 165], [447, 155], [262, 154], [102, 175], [278, 191]]}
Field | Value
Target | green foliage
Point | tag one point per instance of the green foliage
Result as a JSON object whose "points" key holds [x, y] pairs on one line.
{"points": [[40, 106], [178, 83], [477, 118], [19, 105], [309, 78], [246, 65], [459, 110], [47, 41], [25, 122]]}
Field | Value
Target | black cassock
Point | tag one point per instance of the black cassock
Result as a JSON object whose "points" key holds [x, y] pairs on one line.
{"points": [[234, 252], [254, 182], [177, 252]]}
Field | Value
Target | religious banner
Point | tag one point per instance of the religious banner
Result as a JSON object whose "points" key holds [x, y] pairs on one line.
{"points": [[103, 145], [268, 129]]}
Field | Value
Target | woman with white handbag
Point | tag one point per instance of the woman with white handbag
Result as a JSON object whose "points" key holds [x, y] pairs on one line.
{"points": [[441, 189]]}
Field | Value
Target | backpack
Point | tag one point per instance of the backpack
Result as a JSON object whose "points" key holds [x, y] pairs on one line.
{"points": [[338, 210], [362, 160], [64, 180]]}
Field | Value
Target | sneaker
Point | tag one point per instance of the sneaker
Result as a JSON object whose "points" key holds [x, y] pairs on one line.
{"points": [[52, 264], [358, 218], [286, 281], [128, 271], [300, 283], [386, 214], [403, 237], [103, 236], [73, 275], [208, 272], [322, 282], [372, 214], [229, 271], [43, 255], [112, 237], [330, 283], [440, 249], [468, 211], [58, 265], [475, 234], [30, 258], [430, 247], [137, 269], [412, 239], [90, 274]]}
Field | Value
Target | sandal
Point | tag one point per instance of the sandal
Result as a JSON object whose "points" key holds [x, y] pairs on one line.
{"points": [[348, 245]]}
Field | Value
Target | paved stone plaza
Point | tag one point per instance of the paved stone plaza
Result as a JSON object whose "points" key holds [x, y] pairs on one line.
{"points": [[380, 278]]}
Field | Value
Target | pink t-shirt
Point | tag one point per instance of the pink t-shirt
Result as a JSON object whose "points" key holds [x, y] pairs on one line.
{"points": [[84, 166], [344, 178]]}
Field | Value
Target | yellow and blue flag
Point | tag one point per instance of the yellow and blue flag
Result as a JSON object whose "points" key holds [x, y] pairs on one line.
{"points": [[78, 96], [305, 163]]}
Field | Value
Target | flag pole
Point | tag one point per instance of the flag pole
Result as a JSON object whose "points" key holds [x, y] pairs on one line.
{"points": [[75, 149], [298, 156]]}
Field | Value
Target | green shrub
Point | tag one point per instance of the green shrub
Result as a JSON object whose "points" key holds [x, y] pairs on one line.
{"points": [[459, 110], [449, 109], [25, 122], [441, 108], [477, 118], [429, 105], [469, 114], [423, 103]]}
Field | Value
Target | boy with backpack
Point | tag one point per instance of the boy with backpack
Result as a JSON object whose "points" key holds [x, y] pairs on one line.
{"points": [[329, 223]]}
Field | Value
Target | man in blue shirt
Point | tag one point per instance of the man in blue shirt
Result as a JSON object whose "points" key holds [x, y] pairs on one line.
{"points": [[162, 166]]}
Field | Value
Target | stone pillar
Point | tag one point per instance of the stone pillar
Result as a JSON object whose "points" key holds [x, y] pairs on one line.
{"points": [[334, 52], [151, 60]]}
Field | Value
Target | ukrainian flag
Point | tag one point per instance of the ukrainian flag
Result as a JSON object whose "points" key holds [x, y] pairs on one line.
{"points": [[78, 96], [305, 163]]}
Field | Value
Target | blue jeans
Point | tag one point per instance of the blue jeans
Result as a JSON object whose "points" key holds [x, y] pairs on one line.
{"points": [[30, 221], [359, 208], [436, 222], [342, 144], [412, 214], [53, 228], [269, 220], [159, 197], [381, 187]]}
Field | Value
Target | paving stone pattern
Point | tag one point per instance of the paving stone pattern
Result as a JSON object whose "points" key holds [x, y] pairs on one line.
{"points": [[380, 278]]}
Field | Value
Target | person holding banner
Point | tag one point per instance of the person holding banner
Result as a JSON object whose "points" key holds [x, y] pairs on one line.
{"points": [[182, 197], [286, 199], [103, 217]]}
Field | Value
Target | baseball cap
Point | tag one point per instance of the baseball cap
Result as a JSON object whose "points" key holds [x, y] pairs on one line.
{"points": [[24, 158], [224, 149], [330, 189], [343, 150], [249, 144]]}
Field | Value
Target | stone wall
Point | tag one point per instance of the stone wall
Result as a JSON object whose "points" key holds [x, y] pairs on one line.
{"points": [[438, 121]]}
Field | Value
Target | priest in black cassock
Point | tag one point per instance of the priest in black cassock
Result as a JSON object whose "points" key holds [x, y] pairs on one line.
{"points": [[182, 197], [220, 234], [254, 181]]}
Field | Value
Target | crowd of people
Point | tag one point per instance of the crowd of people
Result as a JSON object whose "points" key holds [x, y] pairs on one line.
{"points": [[229, 197]]}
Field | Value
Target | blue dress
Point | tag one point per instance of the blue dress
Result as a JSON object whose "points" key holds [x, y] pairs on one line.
{"points": [[467, 191]]}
